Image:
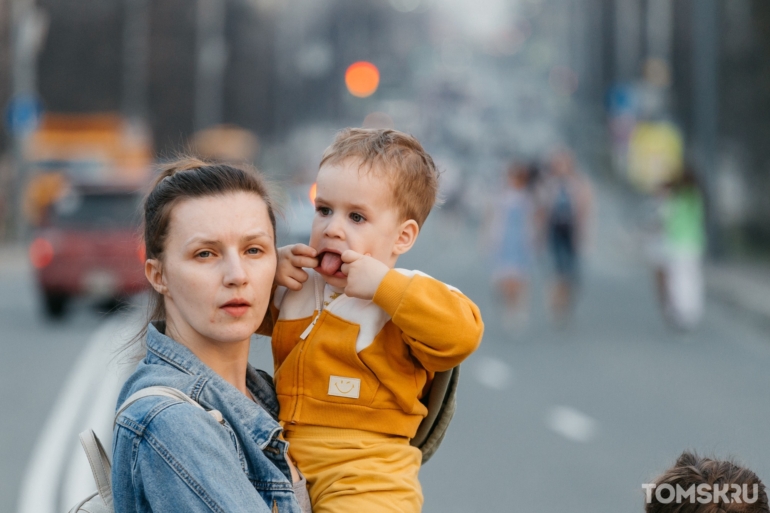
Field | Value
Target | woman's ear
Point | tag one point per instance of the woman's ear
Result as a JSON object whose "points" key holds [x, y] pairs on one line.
{"points": [[407, 236], [154, 275]]}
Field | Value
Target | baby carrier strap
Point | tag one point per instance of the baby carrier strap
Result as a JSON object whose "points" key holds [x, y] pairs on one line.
{"points": [[441, 403]]}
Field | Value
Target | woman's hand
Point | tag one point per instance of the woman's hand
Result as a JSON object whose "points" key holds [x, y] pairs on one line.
{"points": [[291, 260]]}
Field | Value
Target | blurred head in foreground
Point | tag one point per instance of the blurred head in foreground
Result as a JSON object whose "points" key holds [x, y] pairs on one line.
{"points": [[705, 485]]}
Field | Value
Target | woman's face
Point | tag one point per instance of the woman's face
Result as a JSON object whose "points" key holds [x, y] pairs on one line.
{"points": [[218, 267]]}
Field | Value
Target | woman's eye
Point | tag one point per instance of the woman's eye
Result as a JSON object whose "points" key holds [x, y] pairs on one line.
{"points": [[204, 254], [253, 251], [324, 211], [357, 218]]}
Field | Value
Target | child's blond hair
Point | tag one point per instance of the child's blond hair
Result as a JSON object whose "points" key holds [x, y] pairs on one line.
{"points": [[397, 156]]}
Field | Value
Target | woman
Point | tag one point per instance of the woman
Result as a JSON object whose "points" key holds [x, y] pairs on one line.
{"points": [[209, 233], [684, 242], [511, 231]]}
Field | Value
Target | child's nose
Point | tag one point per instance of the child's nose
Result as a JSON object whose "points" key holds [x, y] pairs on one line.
{"points": [[334, 228]]}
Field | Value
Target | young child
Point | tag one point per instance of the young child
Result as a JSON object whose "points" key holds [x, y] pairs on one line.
{"points": [[356, 342]]}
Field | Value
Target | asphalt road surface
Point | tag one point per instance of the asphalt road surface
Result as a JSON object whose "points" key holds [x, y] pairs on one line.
{"points": [[550, 418]]}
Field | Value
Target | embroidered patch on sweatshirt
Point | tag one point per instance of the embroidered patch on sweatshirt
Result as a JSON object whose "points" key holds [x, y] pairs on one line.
{"points": [[344, 387]]}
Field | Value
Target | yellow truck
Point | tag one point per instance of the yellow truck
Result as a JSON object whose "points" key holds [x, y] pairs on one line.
{"points": [[75, 148]]}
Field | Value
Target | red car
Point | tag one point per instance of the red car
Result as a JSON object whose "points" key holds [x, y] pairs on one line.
{"points": [[89, 246]]}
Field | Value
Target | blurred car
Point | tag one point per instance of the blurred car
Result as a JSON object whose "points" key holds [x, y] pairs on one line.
{"points": [[89, 246], [294, 226]]}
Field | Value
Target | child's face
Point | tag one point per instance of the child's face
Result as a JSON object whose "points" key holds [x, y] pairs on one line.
{"points": [[354, 210]]}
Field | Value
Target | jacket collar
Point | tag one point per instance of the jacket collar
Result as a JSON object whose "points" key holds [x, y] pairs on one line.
{"points": [[172, 352], [248, 418]]}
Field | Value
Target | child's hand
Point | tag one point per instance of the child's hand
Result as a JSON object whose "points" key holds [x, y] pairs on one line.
{"points": [[291, 260], [364, 274]]}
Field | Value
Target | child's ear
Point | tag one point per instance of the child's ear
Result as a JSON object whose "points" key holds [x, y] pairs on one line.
{"points": [[407, 235], [154, 275]]}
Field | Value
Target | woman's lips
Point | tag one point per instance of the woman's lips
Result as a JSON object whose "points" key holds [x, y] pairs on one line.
{"points": [[236, 311], [236, 308]]}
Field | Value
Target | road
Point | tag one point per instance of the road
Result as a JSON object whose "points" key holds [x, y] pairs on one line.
{"points": [[552, 418], [37, 357]]}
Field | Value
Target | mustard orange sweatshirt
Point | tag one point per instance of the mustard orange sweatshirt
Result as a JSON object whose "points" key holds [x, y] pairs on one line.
{"points": [[349, 363]]}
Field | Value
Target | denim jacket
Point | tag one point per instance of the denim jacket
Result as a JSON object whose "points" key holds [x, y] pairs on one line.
{"points": [[171, 456]]}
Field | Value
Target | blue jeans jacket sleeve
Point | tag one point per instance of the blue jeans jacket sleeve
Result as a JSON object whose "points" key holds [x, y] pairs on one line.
{"points": [[171, 456]]}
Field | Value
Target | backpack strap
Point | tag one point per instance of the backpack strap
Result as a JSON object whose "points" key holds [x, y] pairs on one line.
{"points": [[100, 465], [170, 392], [91, 503], [97, 456]]}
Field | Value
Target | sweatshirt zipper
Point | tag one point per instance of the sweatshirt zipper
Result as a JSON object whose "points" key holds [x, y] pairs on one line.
{"points": [[303, 337], [318, 302], [310, 327]]}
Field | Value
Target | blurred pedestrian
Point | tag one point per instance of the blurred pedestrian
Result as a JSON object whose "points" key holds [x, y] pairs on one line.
{"points": [[511, 243], [565, 202], [706, 485], [3, 217], [684, 242], [534, 176]]}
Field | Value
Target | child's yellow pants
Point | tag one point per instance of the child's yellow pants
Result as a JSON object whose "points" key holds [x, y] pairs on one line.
{"points": [[353, 471]]}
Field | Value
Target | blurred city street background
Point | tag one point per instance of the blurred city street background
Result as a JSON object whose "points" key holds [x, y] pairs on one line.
{"points": [[605, 175]]}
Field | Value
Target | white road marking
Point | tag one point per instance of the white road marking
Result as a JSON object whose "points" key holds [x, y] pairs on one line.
{"points": [[492, 373], [87, 399], [572, 424], [78, 480]]}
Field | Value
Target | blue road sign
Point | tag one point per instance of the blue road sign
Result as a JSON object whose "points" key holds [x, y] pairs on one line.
{"points": [[22, 114], [621, 99]]}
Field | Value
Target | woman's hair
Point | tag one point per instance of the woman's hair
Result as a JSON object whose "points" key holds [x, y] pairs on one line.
{"points": [[186, 178], [686, 180]]}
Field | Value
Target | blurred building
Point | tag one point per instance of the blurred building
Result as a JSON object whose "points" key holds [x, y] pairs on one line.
{"points": [[744, 123], [476, 77], [5, 64], [704, 65], [275, 64], [91, 56]]}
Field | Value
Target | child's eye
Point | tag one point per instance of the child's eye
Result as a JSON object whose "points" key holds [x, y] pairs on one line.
{"points": [[357, 218], [324, 211]]}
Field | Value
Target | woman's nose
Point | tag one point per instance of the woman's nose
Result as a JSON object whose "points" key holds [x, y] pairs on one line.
{"points": [[235, 273]]}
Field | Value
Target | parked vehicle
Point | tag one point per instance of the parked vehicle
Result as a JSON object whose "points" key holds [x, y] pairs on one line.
{"points": [[89, 245]]}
